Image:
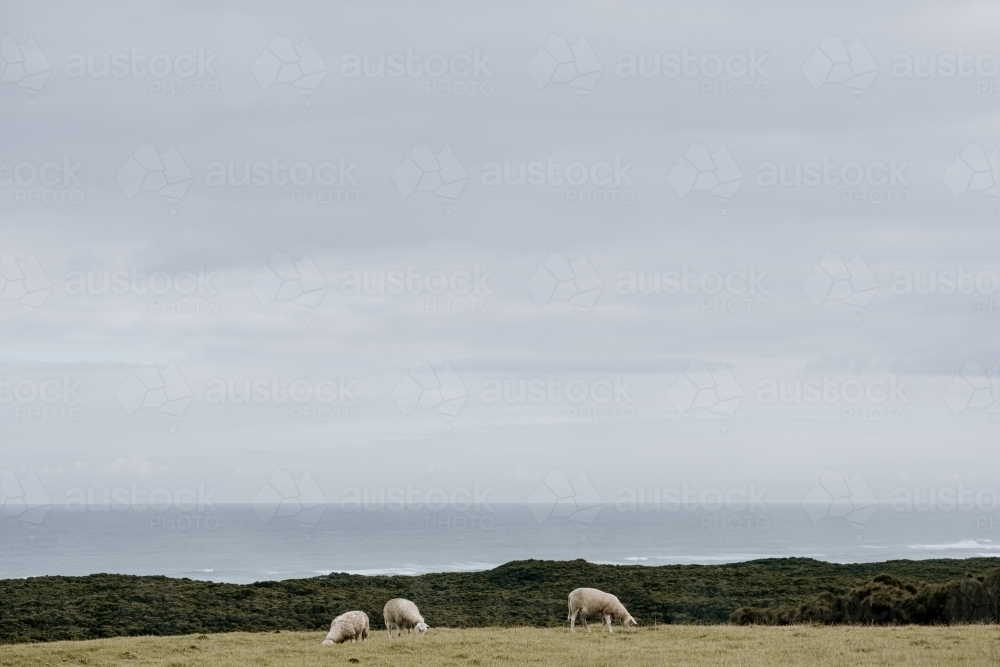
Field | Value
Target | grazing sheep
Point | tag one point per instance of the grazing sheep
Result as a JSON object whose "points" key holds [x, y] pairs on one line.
{"points": [[400, 613], [349, 625], [592, 602]]}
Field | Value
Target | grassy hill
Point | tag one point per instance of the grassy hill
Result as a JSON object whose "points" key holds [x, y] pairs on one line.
{"points": [[519, 593], [690, 646]]}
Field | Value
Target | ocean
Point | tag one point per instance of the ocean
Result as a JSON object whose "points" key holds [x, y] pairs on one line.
{"points": [[243, 544]]}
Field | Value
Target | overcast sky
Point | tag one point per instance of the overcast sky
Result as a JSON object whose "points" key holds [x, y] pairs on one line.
{"points": [[660, 260]]}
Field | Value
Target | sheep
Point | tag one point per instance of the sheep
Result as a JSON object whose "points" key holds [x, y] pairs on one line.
{"points": [[349, 625], [592, 602], [400, 613]]}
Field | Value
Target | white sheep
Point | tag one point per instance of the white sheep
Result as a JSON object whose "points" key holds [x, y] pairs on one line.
{"points": [[400, 613], [350, 625], [592, 602]]}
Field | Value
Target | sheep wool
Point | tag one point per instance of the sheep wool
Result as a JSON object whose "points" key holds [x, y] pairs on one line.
{"points": [[400, 613], [352, 625], [592, 602]]}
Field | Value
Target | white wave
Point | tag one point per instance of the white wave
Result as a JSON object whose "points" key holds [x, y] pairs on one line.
{"points": [[410, 570], [961, 544], [694, 560]]}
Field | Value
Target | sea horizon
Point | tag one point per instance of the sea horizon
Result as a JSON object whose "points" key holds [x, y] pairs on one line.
{"points": [[241, 543]]}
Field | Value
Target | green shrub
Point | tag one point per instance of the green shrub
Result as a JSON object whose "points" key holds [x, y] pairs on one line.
{"points": [[520, 593], [886, 600]]}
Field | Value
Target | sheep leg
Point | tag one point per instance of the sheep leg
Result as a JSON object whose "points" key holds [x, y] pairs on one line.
{"points": [[607, 622], [572, 620], [583, 619]]}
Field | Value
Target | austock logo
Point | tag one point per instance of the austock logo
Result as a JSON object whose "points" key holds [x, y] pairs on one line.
{"points": [[286, 279], [148, 170], [734, 75], [413, 499], [282, 61], [558, 496], [834, 279], [734, 291], [870, 182], [974, 170], [975, 387], [151, 387], [947, 499], [458, 74], [704, 388], [836, 62], [330, 181], [559, 279], [458, 291], [23, 498], [50, 182], [587, 399], [184, 74], [689, 499], [597, 182], [324, 400], [701, 171], [836, 497], [437, 388], [874, 398], [24, 64], [945, 282], [424, 170], [136, 499], [979, 68], [559, 62], [24, 281], [285, 496], [50, 399], [183, 292]]}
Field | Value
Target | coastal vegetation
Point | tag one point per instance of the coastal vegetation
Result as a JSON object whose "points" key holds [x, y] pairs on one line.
{"points": [[518, 594]]}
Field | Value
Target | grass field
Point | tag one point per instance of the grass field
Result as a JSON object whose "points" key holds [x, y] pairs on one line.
{"points": [[664, 645]]}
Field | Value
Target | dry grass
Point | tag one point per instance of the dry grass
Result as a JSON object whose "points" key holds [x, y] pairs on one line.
{"points": [[665, 645]]}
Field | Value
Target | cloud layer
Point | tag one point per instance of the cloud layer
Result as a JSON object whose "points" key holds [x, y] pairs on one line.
{"points": [[480, 245]]}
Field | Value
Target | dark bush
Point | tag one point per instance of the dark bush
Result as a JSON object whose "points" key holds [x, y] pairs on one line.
{"points": [[521, 593], [886, 600]]}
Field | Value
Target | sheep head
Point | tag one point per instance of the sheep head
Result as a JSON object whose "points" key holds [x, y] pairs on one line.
{"points": [[335, 636], [421, 628]]}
